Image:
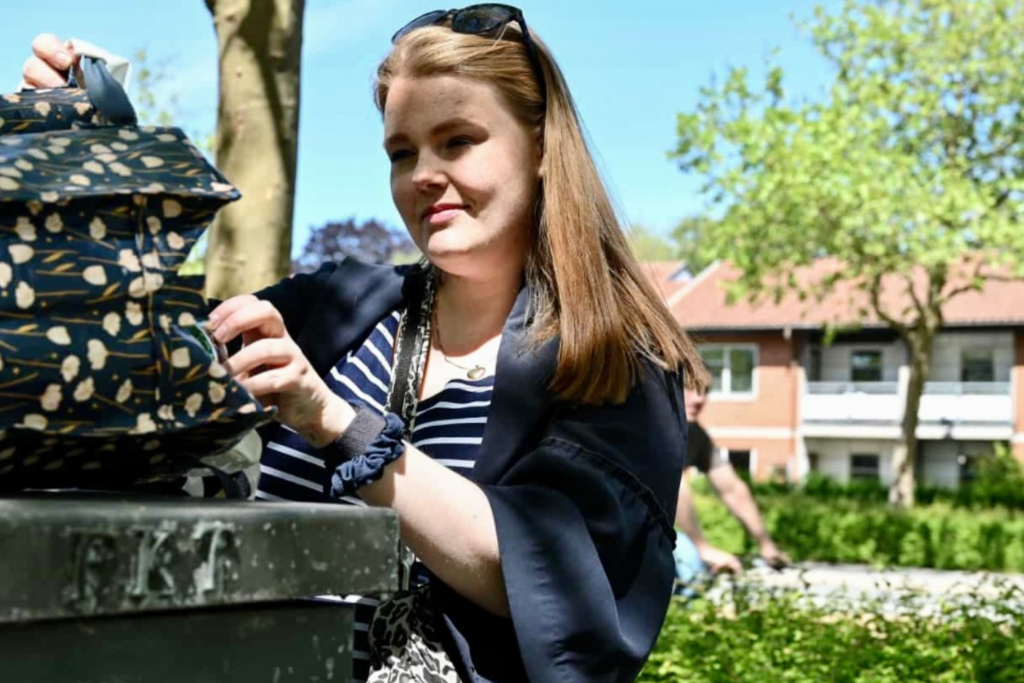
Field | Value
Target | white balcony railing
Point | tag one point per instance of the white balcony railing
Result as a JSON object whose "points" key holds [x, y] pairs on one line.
{"points": [[823, 388], [851, 402], [980, 403], [942, 403], [967, 388]]}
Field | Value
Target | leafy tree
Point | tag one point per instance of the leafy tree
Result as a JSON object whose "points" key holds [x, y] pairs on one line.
{"points": [[691, 238], [152, 107], [650, 246], [908, 171], [259, 45], [370, 241]]}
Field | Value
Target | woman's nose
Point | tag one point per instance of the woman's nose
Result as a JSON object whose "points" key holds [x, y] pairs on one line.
{"points": [[429, 172]]}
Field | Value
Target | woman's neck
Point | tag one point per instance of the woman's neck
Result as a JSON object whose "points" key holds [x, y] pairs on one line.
{"points": [[472, 312]]}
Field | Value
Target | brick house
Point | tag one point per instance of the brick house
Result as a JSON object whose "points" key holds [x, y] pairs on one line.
{"points": [[785, 403]]}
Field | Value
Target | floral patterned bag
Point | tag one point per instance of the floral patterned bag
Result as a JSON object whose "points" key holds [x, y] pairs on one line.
{"points": [[104, 379]]}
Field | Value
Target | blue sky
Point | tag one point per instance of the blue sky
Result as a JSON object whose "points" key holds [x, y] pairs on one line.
{"points": [[632, 66]]}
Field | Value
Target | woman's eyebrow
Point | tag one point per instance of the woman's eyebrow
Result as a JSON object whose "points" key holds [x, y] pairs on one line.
{"points": [[438, 130]]}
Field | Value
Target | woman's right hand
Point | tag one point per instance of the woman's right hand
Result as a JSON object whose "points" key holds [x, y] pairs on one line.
{"points": [[49, 64]]}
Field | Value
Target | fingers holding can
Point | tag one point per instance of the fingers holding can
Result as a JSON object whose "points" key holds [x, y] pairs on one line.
{"points": [[213, 349]]}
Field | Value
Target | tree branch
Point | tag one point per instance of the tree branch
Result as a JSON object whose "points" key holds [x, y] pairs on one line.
{"points": [[970, 286], [1001, 199], [908, 280], [874, 290], [936, 283]]}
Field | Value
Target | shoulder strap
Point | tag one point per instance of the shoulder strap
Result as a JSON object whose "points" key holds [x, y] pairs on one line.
{"points": [[412, 343]]}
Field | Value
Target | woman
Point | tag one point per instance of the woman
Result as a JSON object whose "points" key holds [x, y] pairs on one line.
{"points": [[537, 486]]}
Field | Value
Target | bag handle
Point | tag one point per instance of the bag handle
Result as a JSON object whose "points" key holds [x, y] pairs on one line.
{"points": [[104, 92]]}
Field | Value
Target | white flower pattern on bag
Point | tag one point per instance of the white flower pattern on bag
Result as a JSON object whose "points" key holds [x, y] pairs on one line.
{"points": [[94, 224]]}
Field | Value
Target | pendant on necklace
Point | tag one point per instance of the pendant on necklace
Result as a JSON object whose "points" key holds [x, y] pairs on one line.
{"points": [[476, 372]]}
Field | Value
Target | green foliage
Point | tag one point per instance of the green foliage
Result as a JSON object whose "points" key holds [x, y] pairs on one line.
{"points": [[867, 531], [195, 264], [907, 174], [151, 105], [650, 246], [998, 482], [777, 637], [407, 256], [691, 238], [913, 159]]}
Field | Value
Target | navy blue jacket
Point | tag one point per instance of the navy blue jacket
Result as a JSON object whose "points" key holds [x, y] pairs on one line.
{"points": [[583, 497]]}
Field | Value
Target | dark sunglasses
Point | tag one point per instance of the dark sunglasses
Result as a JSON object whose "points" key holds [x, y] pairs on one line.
{"points": [[481, 20]]}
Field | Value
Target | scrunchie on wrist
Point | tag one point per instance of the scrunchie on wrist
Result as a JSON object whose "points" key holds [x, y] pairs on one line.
{"points": [[358, 457]]}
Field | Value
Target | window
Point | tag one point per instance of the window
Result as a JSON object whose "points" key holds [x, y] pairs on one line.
{"points": [[814, 364], [977, 365], [864, 466], [966, 470], [740, 461], [866, 366], [813, 461], [731, 368]]}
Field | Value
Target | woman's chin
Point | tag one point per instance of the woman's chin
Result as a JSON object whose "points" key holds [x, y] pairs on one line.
{"points": [[441, 251], [470, 256]]}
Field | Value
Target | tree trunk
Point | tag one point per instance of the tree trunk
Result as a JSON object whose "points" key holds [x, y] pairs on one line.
{"points": [[259, 43], [901, 491]]}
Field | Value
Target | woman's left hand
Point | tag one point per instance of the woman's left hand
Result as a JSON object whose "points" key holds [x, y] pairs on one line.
{"points": [[273, 369]]}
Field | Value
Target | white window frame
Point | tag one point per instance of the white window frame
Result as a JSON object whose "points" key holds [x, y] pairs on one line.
{"points": [[726, 392], [978, 349], [881, 361], [866, 454]]}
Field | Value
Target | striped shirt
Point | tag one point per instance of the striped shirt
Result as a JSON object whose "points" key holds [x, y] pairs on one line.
{"points": [[449, 428]]}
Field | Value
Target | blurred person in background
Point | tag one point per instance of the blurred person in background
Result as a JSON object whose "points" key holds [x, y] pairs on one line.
{"points": [[694, 555]]}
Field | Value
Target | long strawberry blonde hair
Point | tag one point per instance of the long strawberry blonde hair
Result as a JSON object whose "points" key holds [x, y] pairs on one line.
{"points": [[587, 285]]}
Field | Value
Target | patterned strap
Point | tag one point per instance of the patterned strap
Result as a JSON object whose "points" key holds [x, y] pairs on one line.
{"points": [[412, 342]]}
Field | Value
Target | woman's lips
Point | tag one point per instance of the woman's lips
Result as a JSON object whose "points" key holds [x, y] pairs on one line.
{"points": [[439, 215]]}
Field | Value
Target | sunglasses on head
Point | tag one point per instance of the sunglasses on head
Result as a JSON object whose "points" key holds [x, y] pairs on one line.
{"points": [[481, 20]]}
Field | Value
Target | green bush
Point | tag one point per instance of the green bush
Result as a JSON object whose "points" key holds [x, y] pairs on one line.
{"points": [[998, 482], [941, 535], [776, 637]]}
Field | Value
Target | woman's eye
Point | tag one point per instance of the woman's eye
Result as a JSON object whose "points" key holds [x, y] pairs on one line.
{"points": [[399, 155], [459, 141]]}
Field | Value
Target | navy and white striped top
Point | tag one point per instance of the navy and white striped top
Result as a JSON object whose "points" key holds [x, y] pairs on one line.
{"points": [[449, 428]]}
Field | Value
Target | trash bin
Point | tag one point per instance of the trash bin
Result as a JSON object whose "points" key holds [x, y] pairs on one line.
{"points": [[102, 588]]}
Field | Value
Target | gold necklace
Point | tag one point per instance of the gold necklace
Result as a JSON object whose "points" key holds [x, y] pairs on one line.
{"points": [[474, 373]]}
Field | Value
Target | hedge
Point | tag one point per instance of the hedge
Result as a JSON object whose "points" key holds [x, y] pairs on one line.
{"points": [[941, 535], [772, 638], [998, 482]]}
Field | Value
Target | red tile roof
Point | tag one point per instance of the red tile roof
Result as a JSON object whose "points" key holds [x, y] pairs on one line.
{"points": [[702, 305], [668, 277]]}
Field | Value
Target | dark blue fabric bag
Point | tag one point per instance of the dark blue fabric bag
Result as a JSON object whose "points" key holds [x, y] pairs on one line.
{"points": [[103, 381]]}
